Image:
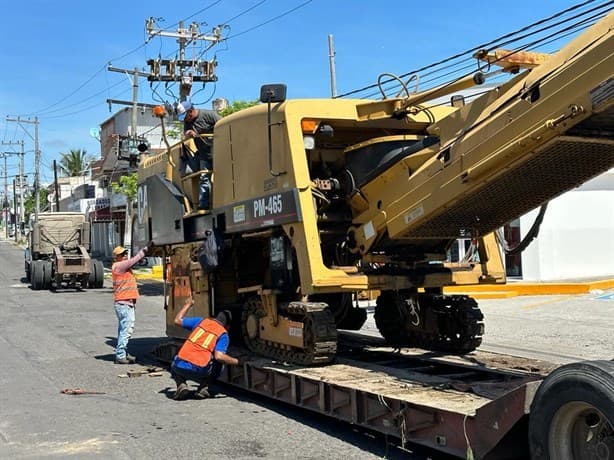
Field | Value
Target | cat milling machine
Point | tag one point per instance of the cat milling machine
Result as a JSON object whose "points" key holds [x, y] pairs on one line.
{"points": [[316, 200]]}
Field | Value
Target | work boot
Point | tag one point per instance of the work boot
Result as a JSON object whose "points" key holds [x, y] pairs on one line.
{"points": [[202, 392], [181, 392], [123, 361]]}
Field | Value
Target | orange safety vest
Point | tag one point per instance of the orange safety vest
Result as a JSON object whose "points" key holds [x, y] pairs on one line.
{"points": [[198, 347], [124, 286]]}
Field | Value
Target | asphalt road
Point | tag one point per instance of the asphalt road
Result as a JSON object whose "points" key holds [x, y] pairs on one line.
{"points": [[50, 341]]}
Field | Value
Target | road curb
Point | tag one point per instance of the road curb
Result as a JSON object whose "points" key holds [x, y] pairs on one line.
{"points": [[521, 288]]}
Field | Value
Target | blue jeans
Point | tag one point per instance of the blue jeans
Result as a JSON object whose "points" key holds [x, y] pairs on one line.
{"points": [[204, 201], [125, 328], [191, 164], [206, 374]]}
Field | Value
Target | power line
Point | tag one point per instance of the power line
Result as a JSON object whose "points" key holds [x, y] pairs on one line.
{"points": [[487, 45], [244, 12], [557, 35], [46, 110], [79, 111], [82, 101], [269, 20], [194, 14]]}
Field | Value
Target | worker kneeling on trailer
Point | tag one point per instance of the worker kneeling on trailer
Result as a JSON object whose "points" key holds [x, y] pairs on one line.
{"points": [[202, 356]]}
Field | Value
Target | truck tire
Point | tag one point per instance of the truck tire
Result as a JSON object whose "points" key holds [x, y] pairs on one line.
{"points": [[37, 275], [96, 278], [47, 274], [27, 261], [99, 274], [572, 415], [91, 278]]}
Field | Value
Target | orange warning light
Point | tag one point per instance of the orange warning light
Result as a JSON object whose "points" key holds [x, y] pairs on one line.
{"points": [[159, 111]]}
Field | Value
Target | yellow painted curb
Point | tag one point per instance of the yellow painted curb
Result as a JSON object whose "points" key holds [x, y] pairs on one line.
{"points": [[490, 295], [152, 274], [521, 288]]}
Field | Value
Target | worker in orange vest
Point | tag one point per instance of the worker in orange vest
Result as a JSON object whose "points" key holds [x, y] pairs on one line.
{"points": [[125, 295], [202, 356]]}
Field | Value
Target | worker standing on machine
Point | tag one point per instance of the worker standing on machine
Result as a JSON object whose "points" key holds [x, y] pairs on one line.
{"points": [[203, 355], [197, 122]]}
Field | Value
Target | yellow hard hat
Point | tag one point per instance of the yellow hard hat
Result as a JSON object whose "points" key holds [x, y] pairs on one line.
{"points": [[119, 250]]}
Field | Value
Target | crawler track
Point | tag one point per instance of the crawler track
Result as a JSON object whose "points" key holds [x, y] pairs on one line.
{"points": [[320, 333]]}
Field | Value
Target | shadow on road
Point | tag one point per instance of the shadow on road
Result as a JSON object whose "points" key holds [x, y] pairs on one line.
{"points": [[140, 347], [367, 440]]}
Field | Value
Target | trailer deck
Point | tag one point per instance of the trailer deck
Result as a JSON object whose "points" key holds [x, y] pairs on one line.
{"points": [[448, 403]]}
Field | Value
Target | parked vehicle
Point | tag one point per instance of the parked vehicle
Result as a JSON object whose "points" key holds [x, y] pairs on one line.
{"points": [[58, 253]]}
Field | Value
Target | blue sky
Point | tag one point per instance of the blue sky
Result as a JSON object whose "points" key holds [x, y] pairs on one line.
{"points": [[54, 53]]}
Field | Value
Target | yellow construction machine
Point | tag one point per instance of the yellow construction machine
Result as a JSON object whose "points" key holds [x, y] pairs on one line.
{"points": [[317, 200]]}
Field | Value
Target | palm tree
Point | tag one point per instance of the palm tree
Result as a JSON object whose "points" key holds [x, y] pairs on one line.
{"points": [[74, 162]]}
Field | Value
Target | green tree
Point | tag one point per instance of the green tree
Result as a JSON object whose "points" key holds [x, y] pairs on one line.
{"points": [[126, 186], [236, 106], [74, 162], [30, 202], [175, 130]]}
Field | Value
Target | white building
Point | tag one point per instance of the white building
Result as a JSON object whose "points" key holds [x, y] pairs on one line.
{"points": [[576, 238]]}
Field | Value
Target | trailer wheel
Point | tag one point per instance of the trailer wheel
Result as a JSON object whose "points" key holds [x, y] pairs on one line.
{"points": [[37, 275], [572, 415], [47, 272]]}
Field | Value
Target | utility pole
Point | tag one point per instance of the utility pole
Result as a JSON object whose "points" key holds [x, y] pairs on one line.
{"points": [[168, 70], [135, 99], [22, 209], [19, 216], [17, 222], [331, 60], [182, 70], [20, 181], [55, 182], [135, 94], [37, 154], [6, 200]]}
